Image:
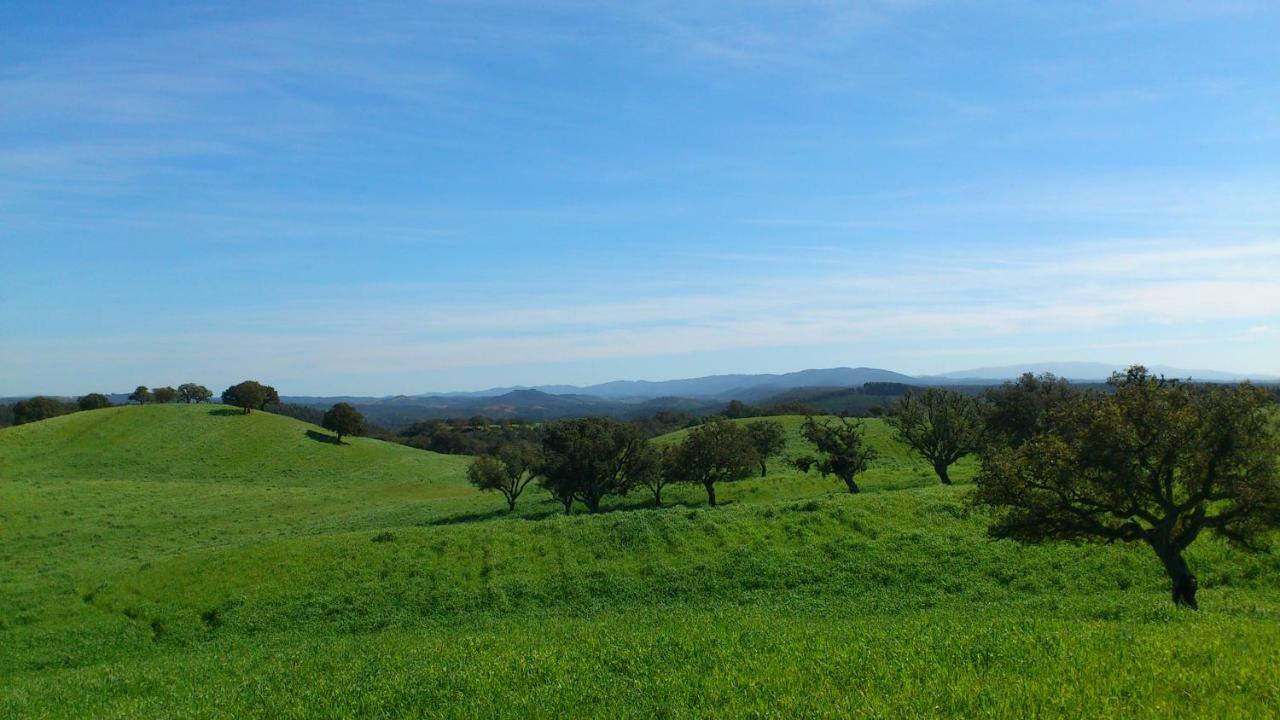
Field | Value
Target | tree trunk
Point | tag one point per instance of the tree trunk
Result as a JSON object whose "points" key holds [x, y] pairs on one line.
{"points": [[1184, 584], [657, 497], [763, 469], [568, 506], [852, 485], [711, 493], [941, 469]]}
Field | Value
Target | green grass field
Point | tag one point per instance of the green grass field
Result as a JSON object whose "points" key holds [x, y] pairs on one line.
{"points": [[187, 561]]}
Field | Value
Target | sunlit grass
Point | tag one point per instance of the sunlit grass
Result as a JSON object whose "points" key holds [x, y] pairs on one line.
{"points": [[170, 562]]}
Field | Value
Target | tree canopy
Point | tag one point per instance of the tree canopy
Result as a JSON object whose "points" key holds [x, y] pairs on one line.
{"points": [[842, 448], [769, 438], [39, 408], [716, 451], [587, 459], [508, 471], [93, 401], [141, 395], [1016, 411], [941, 425], [193, 393], [343, 419], [164, 395], [1156, 461], [250, 395]]}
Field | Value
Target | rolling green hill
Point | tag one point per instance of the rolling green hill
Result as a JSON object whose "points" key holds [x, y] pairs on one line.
{"points": [[188, 561]]}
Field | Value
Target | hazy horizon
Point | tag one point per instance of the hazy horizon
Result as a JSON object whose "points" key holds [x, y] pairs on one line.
{"points": [[399, 198]]}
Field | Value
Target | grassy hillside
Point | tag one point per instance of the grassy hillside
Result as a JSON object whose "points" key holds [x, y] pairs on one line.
{"points": [[183, 562]]}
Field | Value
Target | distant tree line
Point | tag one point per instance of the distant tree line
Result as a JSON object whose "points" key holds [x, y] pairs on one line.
{"points": [[43, 407]]}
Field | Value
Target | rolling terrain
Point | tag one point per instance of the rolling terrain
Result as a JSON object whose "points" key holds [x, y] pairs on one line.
{"points": [[189, 561]]}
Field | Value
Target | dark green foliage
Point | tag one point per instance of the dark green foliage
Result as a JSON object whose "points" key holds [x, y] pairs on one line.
{"points": [[663, 422], [6, 415], [508, 471], [1156, 461], [93, 401], [343, 419], [460, 437], [39, 408], [164, 395], [1016, 411], [590, 458], [652, 470], [870, 399], [141, 395], [769, 438], [719, 450], [942, 425], [250, 395], [193, 393], [842, 448]]}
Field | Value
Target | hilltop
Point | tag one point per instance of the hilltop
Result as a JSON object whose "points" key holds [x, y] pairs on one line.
{"points": [[191, 561]]}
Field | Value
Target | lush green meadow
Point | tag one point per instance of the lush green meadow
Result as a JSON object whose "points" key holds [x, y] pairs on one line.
{"points": [[188, 561]]}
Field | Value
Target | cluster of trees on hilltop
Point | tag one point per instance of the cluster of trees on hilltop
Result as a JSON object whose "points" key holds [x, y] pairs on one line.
{"points": [[1148, 460], [43, 407], [186, 392], [250, 395]]}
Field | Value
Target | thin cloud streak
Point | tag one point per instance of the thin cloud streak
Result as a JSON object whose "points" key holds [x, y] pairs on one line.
{"points": [[946, 306]]}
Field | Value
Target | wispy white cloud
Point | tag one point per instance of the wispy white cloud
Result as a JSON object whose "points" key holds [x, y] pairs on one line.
{"points": [[1078, 292]]}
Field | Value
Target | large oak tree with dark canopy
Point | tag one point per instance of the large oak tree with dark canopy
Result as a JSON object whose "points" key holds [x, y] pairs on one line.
{"points": [[588, 459], [509, 470], [769, 438], [193, 393], [141, 395], [93, 401], [164, 395], [1156, 461], [941, 425], [39, 408], [716, 451], [343, 419], [250, 395], [842, 448], [1014, 412]]}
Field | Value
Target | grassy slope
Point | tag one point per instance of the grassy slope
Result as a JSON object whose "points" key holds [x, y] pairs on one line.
{"points": [[175, 561]]}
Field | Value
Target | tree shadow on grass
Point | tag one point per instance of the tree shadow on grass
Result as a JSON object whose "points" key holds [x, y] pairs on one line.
{"points": [[481, 516], [225, 412], [323, 437]]}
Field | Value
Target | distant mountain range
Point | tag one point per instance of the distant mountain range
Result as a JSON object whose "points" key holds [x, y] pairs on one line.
{"points": [[831, 389], [728, 387], [744, 387]]}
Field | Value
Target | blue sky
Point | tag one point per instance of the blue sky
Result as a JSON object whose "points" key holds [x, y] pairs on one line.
{"points": [[380, 198]]}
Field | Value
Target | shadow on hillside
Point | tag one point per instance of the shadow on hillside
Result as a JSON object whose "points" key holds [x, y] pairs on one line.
{"points": [[323, 437], [492, 515], [481, 516], [225, 412]]}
